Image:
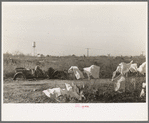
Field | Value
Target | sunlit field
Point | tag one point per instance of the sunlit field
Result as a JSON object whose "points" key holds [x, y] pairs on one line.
{"points": [[31, 91], [96, 91], [107, 64]]}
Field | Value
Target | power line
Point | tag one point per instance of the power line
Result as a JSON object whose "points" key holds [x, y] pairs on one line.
{"points": [[72, 46], [118, 51]]}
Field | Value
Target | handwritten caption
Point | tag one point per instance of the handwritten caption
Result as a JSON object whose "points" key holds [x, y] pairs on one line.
{"points": [[81, 106]]}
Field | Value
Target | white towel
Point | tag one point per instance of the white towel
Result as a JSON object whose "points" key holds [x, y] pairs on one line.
{"points": [[119, 83], [93, 71], [56, 91]]}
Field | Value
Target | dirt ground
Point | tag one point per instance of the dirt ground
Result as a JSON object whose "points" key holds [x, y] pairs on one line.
{"points": [[31, 91]]}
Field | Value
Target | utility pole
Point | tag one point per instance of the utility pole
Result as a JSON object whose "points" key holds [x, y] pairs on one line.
{"points": [[87, 51]]}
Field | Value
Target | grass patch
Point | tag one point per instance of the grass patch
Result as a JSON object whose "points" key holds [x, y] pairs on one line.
{"points": [[99, 92], [107, 64]]}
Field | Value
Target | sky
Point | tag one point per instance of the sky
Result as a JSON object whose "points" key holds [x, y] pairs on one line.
{"points": [[66, 28]]}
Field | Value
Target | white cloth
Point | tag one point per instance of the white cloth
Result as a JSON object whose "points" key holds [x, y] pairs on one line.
{"points": [[142, 68], [68, 87], [142, 94], [93, 71], [133, 67], [73, 88], [143, 90], [76, 71], [52, 91], [119, 83], [71, 91], [123, 68]]}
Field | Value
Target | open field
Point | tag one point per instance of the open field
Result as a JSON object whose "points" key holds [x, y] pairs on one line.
{"points": [[107, 64], [31, 91]]}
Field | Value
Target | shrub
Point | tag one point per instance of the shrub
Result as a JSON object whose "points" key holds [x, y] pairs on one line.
{"points": [[107, 64]]}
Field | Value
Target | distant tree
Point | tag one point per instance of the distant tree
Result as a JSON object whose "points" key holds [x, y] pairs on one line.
{"points": [[29, 54], [7, 54], [42, 55], [18, 53], [108, 55]]}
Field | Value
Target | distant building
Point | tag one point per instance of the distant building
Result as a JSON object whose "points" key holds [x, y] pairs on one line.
{"points": [[40, 55], [141, 54]]}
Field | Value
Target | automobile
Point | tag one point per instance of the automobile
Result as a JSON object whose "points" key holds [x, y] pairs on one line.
{"points": [[25, 73]]}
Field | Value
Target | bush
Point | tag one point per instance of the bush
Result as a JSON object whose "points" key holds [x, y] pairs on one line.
{"points": [[104, 92], [107, 64]]}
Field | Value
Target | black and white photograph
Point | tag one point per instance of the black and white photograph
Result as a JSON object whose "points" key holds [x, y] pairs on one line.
{"points": [[74, 61]]}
